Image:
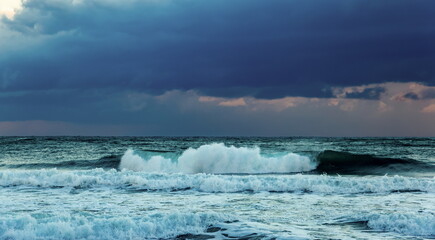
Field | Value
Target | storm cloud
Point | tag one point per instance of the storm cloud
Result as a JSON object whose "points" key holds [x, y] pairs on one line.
{"points": [[265, 49]]}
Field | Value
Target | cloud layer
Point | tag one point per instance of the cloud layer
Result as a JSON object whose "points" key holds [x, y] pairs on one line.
{"points": [[189, 113], [218, 67]]}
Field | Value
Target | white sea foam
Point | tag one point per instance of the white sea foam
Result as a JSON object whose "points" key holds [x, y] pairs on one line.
{"points": [[415, 224], [130, 180], [80, 226], [218, 158]]}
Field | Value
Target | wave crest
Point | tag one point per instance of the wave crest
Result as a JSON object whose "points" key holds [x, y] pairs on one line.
{"points": [[218, 158]]}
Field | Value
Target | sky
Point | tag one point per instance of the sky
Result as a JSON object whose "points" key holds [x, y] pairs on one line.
{"points": [[217, 67]]}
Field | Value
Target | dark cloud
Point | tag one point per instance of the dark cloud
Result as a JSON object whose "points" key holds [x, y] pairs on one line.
{"points": [[266, 49]]}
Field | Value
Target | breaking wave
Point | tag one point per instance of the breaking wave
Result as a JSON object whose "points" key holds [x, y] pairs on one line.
{"points": [[218, 158]]}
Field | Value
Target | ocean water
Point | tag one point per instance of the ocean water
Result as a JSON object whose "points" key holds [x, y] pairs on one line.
{"points": [[217, 188]]}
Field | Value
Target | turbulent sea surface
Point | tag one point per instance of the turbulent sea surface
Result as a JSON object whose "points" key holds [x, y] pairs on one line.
{"points": [[217, 188]]}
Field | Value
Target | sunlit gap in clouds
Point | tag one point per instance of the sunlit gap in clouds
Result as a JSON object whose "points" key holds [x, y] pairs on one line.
{"points": [[8, 8]]}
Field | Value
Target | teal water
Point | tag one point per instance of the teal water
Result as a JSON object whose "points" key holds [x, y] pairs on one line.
{"points": [[220, 188]]}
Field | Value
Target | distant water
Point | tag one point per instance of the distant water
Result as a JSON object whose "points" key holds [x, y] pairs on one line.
{"points": [[217, 188]]}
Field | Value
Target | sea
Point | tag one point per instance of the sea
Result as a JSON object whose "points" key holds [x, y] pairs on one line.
{"points": [[217, 188]]}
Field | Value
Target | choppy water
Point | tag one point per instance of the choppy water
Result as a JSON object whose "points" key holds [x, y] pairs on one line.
{"points": [[217, 188]]}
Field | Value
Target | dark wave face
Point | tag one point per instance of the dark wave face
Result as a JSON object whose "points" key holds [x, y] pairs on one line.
{"points": [[335, 162], [107, 162]]}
